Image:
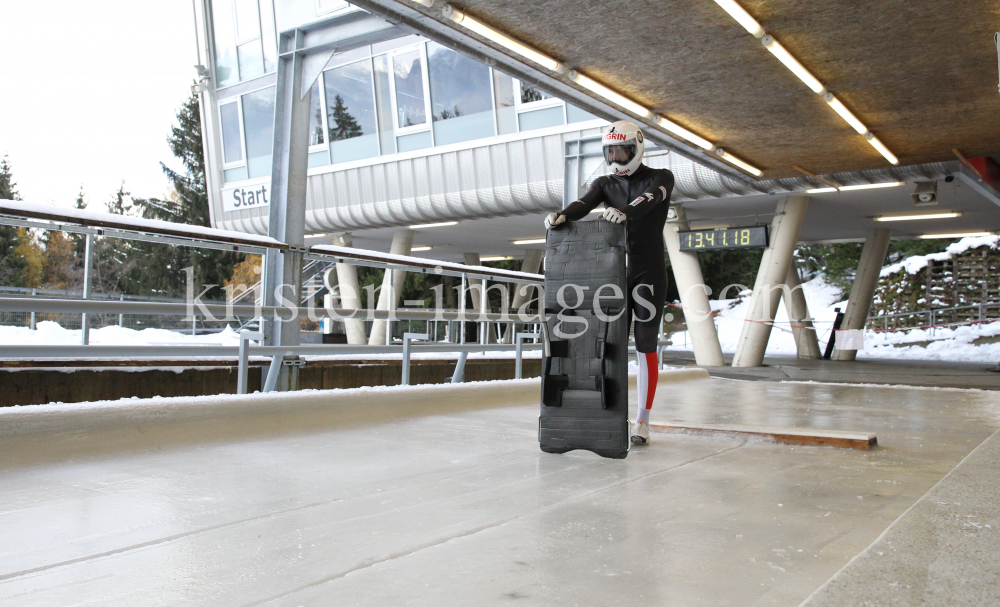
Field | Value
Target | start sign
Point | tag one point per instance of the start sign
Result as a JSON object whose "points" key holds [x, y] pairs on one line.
{"points": [[245, 197]]}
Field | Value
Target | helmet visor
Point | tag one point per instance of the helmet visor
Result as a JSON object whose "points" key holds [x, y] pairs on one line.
{"points": [[619, 153]]}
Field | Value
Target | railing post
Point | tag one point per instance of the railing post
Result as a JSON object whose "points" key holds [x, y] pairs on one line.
{"points": [[405, 380], [461, 308], [272, 372], [33, 293], [519, 343], [244, 358], [459, 375], [484, 325], [84, 320], [121, 317]]}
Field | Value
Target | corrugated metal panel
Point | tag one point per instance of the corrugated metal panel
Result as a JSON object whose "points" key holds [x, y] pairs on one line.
{"points": [[493, 180]]}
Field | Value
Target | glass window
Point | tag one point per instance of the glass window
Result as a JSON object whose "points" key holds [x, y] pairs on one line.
{"points": [[461, 107], [316, 117], [251, 60], [575, 114], [226, 72], [350, 111], [530, 93], [503, 91], [231, 146], [326, 6], [540, 119], [247, 20], [258, 128], [383, 94], [408, 73]]}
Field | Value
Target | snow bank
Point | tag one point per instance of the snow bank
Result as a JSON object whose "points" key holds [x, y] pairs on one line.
{"points": [[914, 264], [49, 333]]}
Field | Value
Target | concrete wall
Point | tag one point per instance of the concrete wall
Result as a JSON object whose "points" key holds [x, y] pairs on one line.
{"points": [[40, 386]]}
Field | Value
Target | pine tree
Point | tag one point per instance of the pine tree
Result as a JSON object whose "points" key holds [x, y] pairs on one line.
{"points": [[58, 267], [11, 265], [30, 252], [160, 269], [342, 124]]}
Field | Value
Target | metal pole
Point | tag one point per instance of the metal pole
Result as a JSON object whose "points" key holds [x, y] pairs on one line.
{"points": [[405, 381], [461, 308], [33, 293], [84, 321], [519, 345], [121, 317], [272, 373], [484, 326], [244, 356], [459, 375]]}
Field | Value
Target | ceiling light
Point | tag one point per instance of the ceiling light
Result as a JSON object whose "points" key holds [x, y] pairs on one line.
{"points": [[911, 217], [958, 235], [871, 186], [494, 258], [875, 143], [682, 132], [845, 113], [470, 23], [608, 94], [530, 241], [736, 12], [737, 162], [425, 2], [433, 225], [419, 249], [792, 64], [821, 190]]}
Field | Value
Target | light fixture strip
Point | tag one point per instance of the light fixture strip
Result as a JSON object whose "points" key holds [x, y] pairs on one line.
{"points": [[474, 25], [530, 241], [781, 53], [433, 225], [916, 217], [737, 162], [736, 12], [959, 235], [683, 133], [612, 96], [871, 186]]}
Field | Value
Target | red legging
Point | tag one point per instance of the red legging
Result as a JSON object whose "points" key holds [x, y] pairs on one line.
{"points": [[648, 375]]}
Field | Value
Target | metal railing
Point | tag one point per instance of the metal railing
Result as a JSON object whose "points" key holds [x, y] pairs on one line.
{"points": [[933, 316]]}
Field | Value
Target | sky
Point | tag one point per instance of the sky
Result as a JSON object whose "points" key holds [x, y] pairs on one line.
{"points": [[88, 93]]}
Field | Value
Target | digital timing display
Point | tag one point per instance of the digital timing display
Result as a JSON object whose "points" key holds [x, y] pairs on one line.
{"points": [[724, 238]]}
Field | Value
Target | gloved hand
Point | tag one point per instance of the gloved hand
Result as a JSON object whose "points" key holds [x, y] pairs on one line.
{"points": [[553, 220], [614, 215]]}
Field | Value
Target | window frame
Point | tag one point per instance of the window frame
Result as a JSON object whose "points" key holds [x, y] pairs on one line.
{"points": [[421, 47], [236, 28], [238, 100], [541, 104], [329, 142], [319, 147]]}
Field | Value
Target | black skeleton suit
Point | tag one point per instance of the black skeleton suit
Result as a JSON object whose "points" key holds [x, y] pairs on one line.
{"points": [[644, 198]]}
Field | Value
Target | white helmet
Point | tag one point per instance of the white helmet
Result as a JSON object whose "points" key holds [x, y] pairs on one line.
{"points": [[623, 147]]}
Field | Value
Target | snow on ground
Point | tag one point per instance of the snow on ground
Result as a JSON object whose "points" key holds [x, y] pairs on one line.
{"points": [[949, 344], [49, 333]]}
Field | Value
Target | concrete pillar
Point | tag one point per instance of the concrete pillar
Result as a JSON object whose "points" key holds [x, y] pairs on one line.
{"points": [[771, 276], [532, 261], [350, 294], [863, 290], [806, 342], [475, 286], [694, 298], [392, 285]]}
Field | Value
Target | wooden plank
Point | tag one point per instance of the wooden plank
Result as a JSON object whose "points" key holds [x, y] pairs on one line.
{"points": [[789, 436]]}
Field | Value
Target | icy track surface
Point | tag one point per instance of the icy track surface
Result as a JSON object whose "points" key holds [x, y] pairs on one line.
{"points": [[457, 506]]}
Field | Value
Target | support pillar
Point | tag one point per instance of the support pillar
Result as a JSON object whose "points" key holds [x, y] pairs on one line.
{"points": [[287, 212], [806, 342], [863, 290], [350, 294], [773, 271], [392, 286], [532, 261], [694, 298]]}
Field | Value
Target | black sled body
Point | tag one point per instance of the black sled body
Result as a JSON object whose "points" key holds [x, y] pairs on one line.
{"points": [[585, 362]]}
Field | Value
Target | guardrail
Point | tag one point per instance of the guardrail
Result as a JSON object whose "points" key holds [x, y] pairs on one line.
{"points": [[933, 316]]}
